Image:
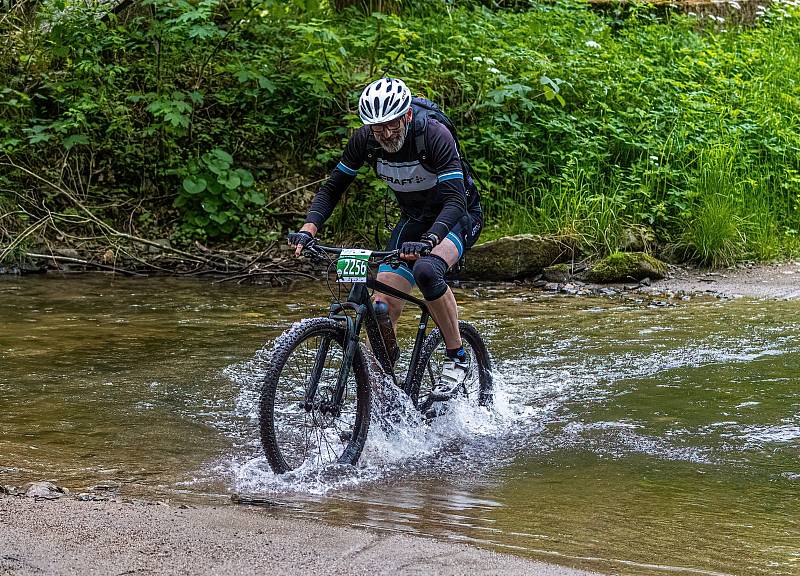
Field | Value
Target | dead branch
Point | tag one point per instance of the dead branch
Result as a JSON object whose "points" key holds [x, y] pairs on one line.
{"points": [[55, 258], [105, 226], [167, 259], [19, 239], [274, 200]]}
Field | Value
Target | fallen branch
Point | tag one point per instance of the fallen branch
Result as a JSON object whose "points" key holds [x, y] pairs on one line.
{"points": [[95, 231], [108, 228], [18, 240], [55, 258]]}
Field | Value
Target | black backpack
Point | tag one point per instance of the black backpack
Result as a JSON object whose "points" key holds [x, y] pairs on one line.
{"points": [[424, 109]]}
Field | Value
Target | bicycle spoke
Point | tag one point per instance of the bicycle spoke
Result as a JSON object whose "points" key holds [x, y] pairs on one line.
{"points": [[313, 366]]}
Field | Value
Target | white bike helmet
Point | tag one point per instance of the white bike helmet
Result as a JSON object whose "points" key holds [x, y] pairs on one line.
{"points": [[384, 100]]}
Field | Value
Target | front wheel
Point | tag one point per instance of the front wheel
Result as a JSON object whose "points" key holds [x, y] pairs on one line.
{"points": [[478, 384], [298, 427]]}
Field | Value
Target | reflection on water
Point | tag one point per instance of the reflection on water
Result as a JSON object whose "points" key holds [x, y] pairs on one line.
{"points": [[627, 438]]}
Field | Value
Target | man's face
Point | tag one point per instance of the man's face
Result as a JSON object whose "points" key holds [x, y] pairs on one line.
{"points": [[391, 135]]}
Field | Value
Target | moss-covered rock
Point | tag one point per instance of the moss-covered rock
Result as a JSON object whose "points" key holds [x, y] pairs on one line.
{"points": [[627, 266], [515, 257], [558, 273]]}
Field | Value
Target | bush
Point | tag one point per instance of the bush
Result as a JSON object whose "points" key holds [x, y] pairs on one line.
{"points": [[579, 122]]}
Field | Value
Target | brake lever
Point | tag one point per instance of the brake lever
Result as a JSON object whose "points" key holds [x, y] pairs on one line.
{"points": [[392, 260], [311, 252]]}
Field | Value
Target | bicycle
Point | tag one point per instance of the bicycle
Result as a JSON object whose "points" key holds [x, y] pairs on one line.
{"points": [[315, 402]]}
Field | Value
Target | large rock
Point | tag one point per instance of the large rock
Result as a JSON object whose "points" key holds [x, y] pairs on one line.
{"points": [[627, 266], [515, 257], [637, 239], [44, 491], [559, 273]]}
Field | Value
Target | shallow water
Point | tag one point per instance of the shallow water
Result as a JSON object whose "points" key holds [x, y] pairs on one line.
{"points": [[626, 437]]}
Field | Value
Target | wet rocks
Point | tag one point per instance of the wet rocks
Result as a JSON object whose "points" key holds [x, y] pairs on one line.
{"points": [[44, 491], [515, 257], [627, 266], [568, 288], [100, 492], [561, 273], [9, 490], [106, 487], [90, 497]]}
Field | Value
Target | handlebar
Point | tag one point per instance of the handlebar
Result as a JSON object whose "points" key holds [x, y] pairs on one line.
{"points": [[315, 246], [378, 256]]}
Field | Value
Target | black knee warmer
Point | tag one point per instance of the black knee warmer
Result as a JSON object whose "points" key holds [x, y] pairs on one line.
{"points": [[429, 273]]}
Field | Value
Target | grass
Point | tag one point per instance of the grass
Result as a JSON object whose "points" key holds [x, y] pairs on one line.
{"points": [[715, 236]]}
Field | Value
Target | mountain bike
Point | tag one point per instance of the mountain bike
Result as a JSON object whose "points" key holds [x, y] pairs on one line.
{"points": [[315, 403]]}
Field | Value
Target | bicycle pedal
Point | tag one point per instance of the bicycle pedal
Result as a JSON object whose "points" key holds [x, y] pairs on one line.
{"points": [[345, 436]]}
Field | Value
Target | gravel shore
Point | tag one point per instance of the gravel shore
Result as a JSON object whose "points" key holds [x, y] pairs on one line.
{"points": [[772, 281], [66, 536]]}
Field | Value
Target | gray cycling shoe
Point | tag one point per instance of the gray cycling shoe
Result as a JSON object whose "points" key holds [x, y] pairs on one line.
{"points": [[454, 374]]}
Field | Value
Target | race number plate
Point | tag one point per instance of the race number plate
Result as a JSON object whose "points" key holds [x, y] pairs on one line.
{"points": [[352, 265]]}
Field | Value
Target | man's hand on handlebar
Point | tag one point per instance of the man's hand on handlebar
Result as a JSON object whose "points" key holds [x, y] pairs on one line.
{"points": [[413, 250], [300, 240]]}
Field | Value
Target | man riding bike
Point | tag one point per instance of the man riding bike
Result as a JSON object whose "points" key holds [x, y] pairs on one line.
{"points": [[440, 209]]}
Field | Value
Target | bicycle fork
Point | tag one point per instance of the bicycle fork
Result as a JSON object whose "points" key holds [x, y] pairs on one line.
{"points": [[333, 406]]}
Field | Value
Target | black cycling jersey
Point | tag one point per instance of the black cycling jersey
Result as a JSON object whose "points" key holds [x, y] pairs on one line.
{"points": [[433, 191]]}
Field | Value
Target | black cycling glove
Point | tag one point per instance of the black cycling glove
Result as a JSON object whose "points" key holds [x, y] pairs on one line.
{"points": [[301, 238], [420, 248]]}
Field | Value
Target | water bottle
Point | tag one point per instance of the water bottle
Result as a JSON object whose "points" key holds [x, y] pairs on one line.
{"points": [[385, 324]]}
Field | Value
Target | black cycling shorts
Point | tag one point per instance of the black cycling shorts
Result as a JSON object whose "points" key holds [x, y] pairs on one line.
{"points": [[464, 235]]}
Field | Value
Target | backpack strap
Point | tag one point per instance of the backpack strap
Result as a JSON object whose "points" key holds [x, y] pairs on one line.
{"points": [[420, 128], [373, 150]]}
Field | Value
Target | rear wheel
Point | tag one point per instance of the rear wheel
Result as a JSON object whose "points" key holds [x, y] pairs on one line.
{"points": [[478, 384], [294, 431]]}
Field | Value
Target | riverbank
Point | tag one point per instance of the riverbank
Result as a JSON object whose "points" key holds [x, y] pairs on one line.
{"points": [[779, 281], [67, 536], [775, 280]]}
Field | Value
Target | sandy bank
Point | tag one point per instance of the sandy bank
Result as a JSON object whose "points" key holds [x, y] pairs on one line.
{"points": [[776, 281], [71, 537]]}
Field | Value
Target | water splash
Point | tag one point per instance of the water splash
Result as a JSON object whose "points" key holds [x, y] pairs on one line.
{"points": [[400, 440]]}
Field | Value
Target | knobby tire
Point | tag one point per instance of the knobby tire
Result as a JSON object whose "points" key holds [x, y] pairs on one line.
{"points": [[290, 434], [428, 367]]}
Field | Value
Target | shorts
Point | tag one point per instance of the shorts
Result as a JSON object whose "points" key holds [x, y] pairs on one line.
{"points": [[464, 235]]}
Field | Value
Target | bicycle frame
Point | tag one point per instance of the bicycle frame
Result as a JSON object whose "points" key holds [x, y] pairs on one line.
{"points": [[360, 303]]}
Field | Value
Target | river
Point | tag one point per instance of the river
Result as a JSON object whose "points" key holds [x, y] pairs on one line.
{"points": [[629, 436]]}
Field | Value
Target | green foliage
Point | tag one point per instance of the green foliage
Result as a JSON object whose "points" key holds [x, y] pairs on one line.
{"points": [[214, 195], [581, 123], [715, 236]]}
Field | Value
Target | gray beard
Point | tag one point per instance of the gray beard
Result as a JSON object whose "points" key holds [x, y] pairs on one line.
{"points": [[393, 145]]}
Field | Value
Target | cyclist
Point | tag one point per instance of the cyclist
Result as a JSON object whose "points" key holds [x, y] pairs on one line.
{"points": [[440, 209]]}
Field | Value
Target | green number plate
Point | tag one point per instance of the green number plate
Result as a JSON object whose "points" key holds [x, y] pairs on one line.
{"points": [[352, 266]]}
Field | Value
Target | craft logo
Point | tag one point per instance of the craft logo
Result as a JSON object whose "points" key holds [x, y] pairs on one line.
{"points": [[402, 181]]}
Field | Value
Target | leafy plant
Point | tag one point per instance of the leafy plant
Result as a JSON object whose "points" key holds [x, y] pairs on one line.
{"points": [[580, 122], [214, 195]]}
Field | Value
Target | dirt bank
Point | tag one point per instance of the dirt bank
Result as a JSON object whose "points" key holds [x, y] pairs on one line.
{"points": [[777, 281], [67, 536]]}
